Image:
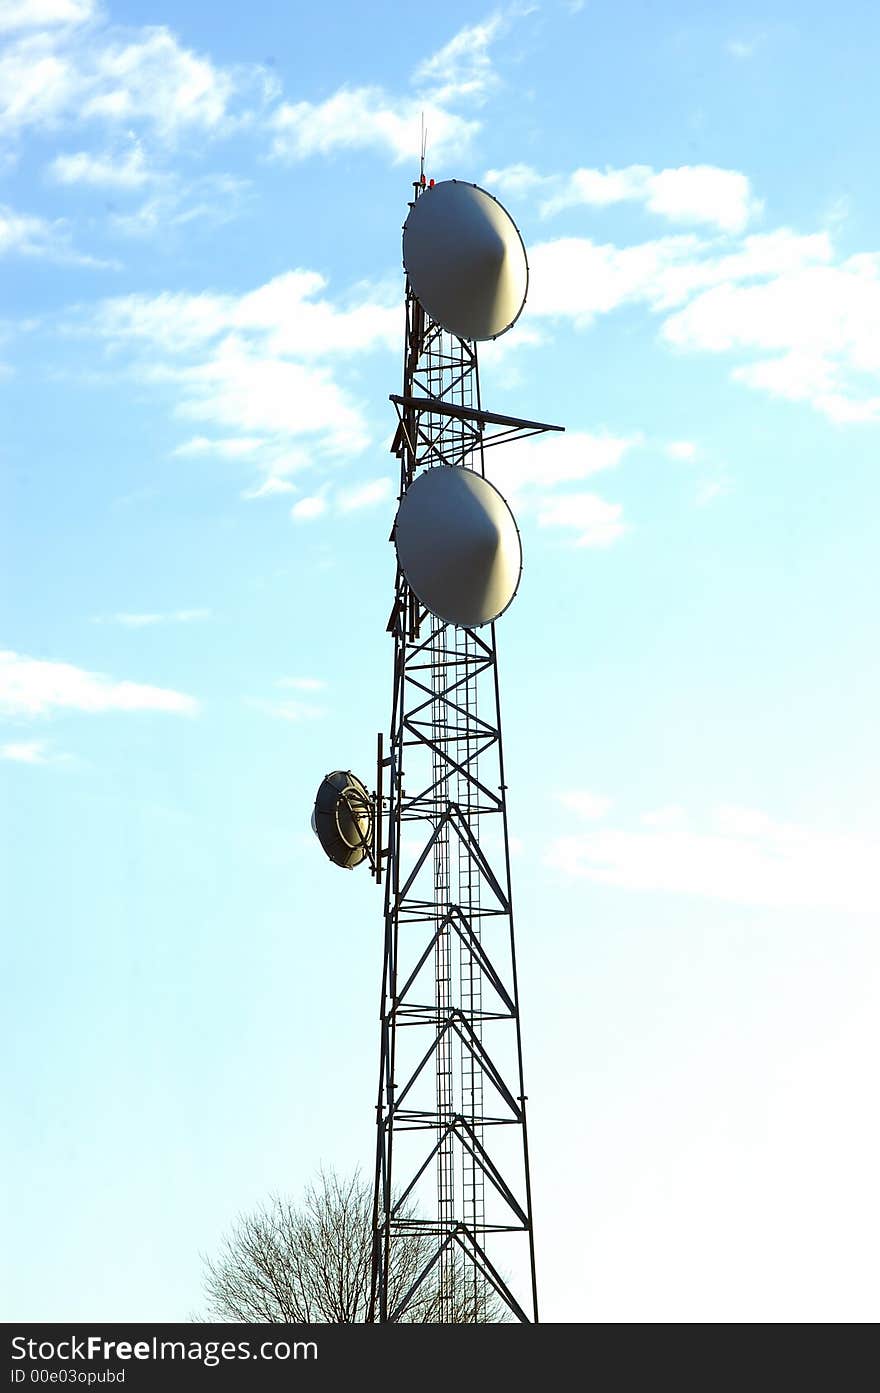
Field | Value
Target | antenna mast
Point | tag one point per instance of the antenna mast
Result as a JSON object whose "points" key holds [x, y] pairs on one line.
{"points": [[452, 1207], [452, 1169]]}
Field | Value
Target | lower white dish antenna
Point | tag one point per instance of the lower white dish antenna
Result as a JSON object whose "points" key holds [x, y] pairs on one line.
{"points": [[458, 545]]}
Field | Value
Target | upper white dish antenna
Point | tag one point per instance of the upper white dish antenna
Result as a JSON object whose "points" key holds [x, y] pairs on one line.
{"points": [[465, 260], [458, 545]]}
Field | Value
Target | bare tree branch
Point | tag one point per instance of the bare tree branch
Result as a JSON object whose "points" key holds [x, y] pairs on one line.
{"points": [[311, 1264]]}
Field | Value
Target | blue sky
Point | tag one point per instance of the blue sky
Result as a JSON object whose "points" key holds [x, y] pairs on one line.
{"points": [[201, 321]]}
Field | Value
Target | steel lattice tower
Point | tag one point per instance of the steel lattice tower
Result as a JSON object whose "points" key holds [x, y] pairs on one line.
{"points": [[452, 1160]]}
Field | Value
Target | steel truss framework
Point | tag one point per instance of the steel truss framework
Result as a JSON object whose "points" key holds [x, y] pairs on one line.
{"points": [[452, 1145]]}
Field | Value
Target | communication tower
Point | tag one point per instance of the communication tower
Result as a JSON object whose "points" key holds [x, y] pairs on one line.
{"points": [[452, 1163]]}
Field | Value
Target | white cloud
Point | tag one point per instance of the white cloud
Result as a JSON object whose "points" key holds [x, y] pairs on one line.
{"points": [[809, 326], [288, 315], [367, 117], [743, 856], [127, 170], [599, 189], [239, 387], [298, 321], [348, 500], [269, 487], [462, 67], [741, 48], [175, 203], [578, 278], [597, 522], [36, 687], [302, 684], [681, 449], [797, 376], [820, 323], [526, 470], [309, 508], [709, 489], [543, 462], [363, 118], [232, 447], [41, 14], [364, 495], [574, 277], [250, 365], [23, 234], [837, 212], [143, 621], [148, 78], [592, 806], [669, 818], [36, 85], [516, 179], [733, 820], [27, 752], [156, 79], [702, 194]]}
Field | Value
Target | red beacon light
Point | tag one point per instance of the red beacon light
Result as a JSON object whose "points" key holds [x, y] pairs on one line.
{"points": [[431, 184]]}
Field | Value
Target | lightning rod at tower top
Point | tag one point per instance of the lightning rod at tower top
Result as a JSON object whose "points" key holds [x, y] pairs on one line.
{"points": [[452, 1181]]}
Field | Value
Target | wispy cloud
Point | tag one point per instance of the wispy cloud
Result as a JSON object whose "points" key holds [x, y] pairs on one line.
{"points": [[25, 234], [818, 323], [742, 48], [262, 368], [533, 474], [362, 118], [142, 621], [701, 195], [302, 684], [28, 752], [126, 169], [288, 315], [707, 490], [37, 687], [241, 388], [538, 464], [142, 77], [579, 278], [346, 500], [43, 14], [463, 67], [592, 806], [307, 509], [742, 855], [681, 449], [364, 495], [712, 481], [236, 447], [805, 321], [175, 203], [269, 488], [370, 117], [597, 522]]}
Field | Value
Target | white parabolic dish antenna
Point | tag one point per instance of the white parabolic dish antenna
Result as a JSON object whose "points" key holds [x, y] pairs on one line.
{"points": [[465, 260], [458, 545]]}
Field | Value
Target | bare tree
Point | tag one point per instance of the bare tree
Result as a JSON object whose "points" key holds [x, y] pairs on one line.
{"points": [[287, 1264]]}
